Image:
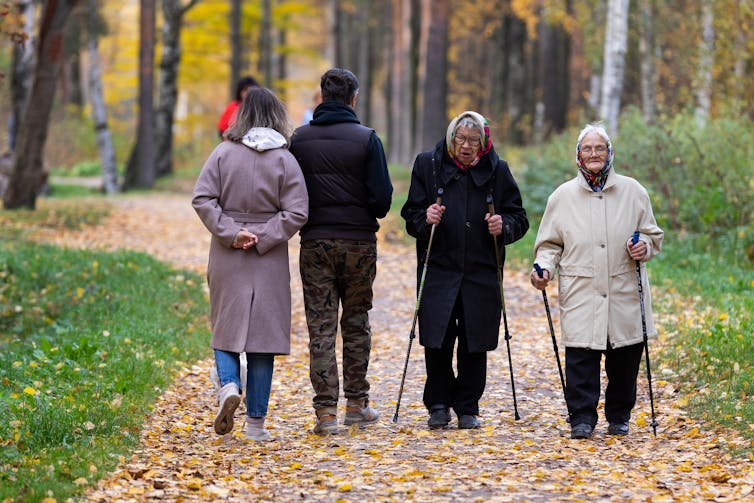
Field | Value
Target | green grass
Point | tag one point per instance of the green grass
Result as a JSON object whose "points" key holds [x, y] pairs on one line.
{"points": [[88, 341], [709, 296]]}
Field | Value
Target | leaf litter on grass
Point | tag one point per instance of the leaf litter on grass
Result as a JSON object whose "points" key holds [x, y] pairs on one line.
{"points": [[533, 459]]}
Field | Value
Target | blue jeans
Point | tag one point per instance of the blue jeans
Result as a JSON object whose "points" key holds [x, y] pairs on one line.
{"points": [[258, 377]]}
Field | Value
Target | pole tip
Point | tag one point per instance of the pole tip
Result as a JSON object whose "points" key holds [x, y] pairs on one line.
{"points": [[395, 418]]}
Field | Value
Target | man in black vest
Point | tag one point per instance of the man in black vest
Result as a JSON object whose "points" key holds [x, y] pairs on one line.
{"points": [[349, 189]]}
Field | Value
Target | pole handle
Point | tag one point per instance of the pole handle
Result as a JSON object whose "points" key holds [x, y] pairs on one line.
{"points": [[490, 206], [439, 196], [635, 238], [539, 270]]}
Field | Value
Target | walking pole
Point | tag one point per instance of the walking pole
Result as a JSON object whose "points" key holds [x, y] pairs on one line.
{"points": [[491, 210], [412, 334], [540, 273], [634, 240]]}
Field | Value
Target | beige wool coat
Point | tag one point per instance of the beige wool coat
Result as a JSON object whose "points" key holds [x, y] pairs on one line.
{"points": [[258, 186], [584, 236]]}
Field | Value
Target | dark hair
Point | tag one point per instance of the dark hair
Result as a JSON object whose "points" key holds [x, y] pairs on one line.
{"points": [[339, 84], [243, 83], [260, 108]]}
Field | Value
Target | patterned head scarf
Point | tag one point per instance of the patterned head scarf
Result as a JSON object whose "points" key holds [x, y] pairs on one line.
{"points": [[595, 180], [477, 121]]}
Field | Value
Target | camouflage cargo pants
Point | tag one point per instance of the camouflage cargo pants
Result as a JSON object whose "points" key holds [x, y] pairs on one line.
{"points": [[337, 272]]}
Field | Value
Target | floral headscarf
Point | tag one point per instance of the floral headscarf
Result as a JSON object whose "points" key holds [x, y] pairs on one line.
{"points": [[481, 124], [595, 180]]}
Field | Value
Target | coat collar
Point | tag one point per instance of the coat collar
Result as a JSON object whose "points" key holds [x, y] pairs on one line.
{"points": [[446, 170], [611, 181]]}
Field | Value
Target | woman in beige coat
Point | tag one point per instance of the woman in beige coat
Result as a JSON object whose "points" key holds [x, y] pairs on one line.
{"points": [[252, 197], [586, 233]]}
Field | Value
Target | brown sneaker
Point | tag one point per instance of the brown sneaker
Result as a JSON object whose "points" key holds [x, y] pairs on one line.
{"points": [[327, 424], [361, 416]]}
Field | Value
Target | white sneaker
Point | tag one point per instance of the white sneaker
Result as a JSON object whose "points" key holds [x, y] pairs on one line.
{"points": [[228, 399], [255, 430]]}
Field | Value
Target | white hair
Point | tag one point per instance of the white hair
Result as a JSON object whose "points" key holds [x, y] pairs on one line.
{"points": [[594, 127]]}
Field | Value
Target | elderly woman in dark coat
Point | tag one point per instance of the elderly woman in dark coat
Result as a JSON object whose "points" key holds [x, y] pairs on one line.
{"points": [[252, 197], [461, 296]]}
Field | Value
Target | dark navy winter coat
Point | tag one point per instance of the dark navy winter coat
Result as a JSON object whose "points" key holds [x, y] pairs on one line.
{"points": [[462, 259]]}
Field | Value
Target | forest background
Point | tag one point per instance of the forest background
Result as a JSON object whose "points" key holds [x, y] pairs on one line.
{"points": [[129, 92]]}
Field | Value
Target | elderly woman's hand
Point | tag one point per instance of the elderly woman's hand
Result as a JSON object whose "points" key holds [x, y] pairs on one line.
{"points": [[637, 251], [540, 283], [494, 224], [245, 239], [434, 214]]}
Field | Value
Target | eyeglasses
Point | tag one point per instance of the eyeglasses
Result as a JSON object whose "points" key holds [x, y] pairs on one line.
{"points": [[599, 150], [460, 139]]}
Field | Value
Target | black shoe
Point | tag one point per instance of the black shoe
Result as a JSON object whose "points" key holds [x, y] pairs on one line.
{"points": [[619, 429], [468, 422], [439, 417], [581, 430]]}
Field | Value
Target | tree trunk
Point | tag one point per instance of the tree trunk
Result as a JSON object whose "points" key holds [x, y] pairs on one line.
{"points": [[706, 56], [28, 174], [265, 44], [399, 133], [236, 47], [616, 38], [434, 65], [646, 53], [554, 56], [22, 76], [167, 83], [518, 88], [140, 171], [99, 112]]}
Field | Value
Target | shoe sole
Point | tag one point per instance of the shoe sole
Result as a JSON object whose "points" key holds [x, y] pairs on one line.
{"points": [[360, 421], [224, 418], [580, 436], [328, 430], [438, 426], [259, 438]]}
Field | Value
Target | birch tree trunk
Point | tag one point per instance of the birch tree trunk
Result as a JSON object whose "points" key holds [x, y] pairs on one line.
{"points": [[22, 75], [646, 55], [399, 129], [616, 39], [140, 171], [706, 56], [28, 174], [99, 112], [433, 66], [167, 83]]}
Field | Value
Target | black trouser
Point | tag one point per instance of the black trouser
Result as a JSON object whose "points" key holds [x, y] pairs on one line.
{"points": [[583, 382], [443, 387]]}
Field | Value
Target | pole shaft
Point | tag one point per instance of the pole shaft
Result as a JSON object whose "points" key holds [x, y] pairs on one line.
{"points": [[491, 211]]}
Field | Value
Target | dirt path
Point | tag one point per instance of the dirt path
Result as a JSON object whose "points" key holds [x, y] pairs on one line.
{"points": [[180, 457]]}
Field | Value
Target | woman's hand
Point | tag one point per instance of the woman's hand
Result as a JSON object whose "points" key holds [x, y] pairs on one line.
{"points": [[434, 214], [637, 251], [494, 224], [540, 283], [245, 239]]}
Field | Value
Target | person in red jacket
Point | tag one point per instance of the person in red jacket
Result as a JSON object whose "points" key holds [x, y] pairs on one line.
{"points": [[228, 118]]}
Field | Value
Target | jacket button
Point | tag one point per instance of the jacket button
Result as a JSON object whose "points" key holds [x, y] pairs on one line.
{"points": [[602, 246], [600, 197], [604, 295], [468, 224]]}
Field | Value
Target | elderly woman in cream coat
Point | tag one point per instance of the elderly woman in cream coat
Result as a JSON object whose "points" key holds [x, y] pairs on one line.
{"points": [[585, 234], [252, 197]]}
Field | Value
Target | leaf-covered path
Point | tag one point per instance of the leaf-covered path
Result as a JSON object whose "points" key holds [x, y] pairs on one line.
{"points": [[533, 459]]}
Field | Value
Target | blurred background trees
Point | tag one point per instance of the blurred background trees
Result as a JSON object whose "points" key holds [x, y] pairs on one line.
{"points": [[533, 67]]}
